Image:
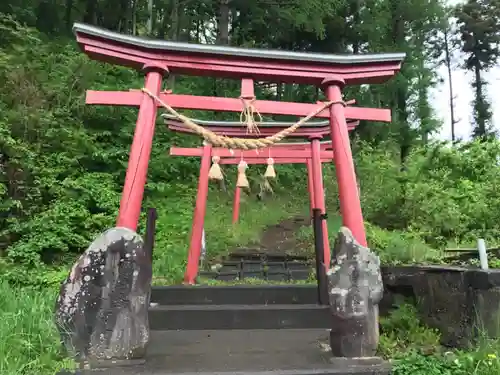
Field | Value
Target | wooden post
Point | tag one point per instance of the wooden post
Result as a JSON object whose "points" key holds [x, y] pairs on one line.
{"points": [[198, 218], [140, 151], [350, 205]]}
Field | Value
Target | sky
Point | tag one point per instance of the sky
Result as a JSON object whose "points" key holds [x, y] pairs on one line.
{"points": [[463, 94]]}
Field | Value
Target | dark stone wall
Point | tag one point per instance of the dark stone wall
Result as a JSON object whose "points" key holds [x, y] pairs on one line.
{"points": [[461, 303]]}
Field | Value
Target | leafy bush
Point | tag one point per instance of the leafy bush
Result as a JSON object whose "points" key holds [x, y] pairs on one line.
{"points": [[451, 192], [399, 247], [444, 194]]}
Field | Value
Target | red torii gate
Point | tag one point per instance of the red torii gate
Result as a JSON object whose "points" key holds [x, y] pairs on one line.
{"points": [[281, 153], [157, 58], [306, 161], [277, 160]]}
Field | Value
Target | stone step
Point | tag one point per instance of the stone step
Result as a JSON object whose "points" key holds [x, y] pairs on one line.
{"points": [[246, 352], [262, 265], [232, 274], [237, 317], [286, 294], [343, 369]]}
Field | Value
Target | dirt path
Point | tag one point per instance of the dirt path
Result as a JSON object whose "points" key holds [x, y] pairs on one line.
{"points": [[279, 240], [282, 237], [279, 256]]}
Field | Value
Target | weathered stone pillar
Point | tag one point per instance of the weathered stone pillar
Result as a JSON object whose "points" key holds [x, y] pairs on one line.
{"points": [[355, 288], [102, 309]]}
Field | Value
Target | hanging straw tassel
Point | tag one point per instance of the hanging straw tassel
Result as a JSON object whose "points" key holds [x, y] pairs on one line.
{"points": [[242, 181], [215, 173], [270, 172]]}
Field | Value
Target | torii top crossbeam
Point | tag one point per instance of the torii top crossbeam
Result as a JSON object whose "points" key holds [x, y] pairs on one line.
{"points": [[218, 61], [249, 65]]}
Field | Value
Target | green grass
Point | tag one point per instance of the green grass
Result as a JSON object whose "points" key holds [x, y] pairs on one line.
{"points": [[398, 247], [174, 227], [306, 234], [393, 247], [29, 341]]}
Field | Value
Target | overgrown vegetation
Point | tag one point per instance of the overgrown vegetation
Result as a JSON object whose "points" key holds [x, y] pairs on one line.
{"points": [[62, 163], [29, 342], [415, 349]]}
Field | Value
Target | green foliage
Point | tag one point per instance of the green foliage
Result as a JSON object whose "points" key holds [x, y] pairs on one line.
{"points": [[63, 166], [399, 247], [450, 192], [402, 331], [445, 193], [415, 349]]}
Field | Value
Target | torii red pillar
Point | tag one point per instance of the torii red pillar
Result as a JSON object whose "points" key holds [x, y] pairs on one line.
{"points": [[350, 205], [310, 186], [236, 204], [200, 210], [319, 194], [137, 170]]}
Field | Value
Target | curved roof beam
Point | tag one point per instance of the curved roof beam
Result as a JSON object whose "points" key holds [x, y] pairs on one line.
{"points": [[235, 62]]}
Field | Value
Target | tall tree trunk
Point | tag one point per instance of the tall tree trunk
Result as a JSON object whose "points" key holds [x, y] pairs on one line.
{"points": [[68, 13], [401, 93], [447, 59], [173, 34], [150, 17], [199, 25], [355, 11], [223, 20], [90, 12], [164, 23], [134, 17], [481, 105], [123, 16]]}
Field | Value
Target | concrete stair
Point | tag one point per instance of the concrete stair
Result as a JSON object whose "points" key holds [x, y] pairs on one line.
{"points": [[241, 330], [246, 352], [244, 329]]}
